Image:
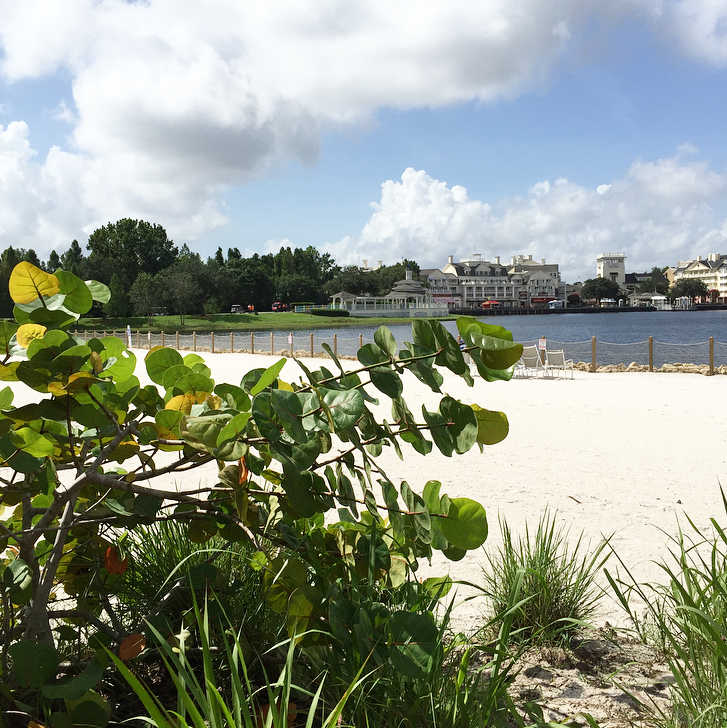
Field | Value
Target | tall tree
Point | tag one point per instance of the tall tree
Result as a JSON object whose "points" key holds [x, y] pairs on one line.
{"points": [[73, 258], [54, 262], [144, 295], [599, 288], [135, 246], [183, 285], [691, 287], [119, 305]]}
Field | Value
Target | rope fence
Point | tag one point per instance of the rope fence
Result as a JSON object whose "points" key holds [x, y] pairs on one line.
{"points": [[707, 357]]}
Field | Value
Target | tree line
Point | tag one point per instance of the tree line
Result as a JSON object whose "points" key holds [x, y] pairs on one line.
{"points": [[148, 274]]}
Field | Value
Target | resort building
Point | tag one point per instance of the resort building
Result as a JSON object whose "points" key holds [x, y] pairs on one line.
{"points": [[712, 270], [475, 282]]}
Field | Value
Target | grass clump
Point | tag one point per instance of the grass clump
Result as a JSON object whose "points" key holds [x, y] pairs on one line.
{"points": [[687, 618], [558, 592]]}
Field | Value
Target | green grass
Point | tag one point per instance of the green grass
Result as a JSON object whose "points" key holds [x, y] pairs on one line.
{"points": [[558, 591], [268, 321], [687, 619]]}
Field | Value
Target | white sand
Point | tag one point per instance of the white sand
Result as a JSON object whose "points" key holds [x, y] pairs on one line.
{"points": [[622, 454]]}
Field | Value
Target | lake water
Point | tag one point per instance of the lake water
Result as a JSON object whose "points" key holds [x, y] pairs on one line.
{"points": [[679, 336], [622, 338]]}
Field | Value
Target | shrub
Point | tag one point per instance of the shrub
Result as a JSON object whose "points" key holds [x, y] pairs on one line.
{"points": [[330, 312], [558, 580], [96, 454]]}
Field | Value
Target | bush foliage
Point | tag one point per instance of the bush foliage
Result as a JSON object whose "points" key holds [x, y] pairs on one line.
{"points": [[94, 456]]}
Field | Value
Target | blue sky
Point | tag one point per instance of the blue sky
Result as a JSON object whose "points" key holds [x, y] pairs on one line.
{"points": [[370, 130]]}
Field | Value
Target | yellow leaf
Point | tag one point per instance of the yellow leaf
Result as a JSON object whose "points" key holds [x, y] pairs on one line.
{"points": [[27, 332], [7, 372], [284, 386], [184, 402], [28, 283]]}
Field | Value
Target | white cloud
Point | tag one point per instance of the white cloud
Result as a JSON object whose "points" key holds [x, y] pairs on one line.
{"points": [[174, 100], [658, 213]]}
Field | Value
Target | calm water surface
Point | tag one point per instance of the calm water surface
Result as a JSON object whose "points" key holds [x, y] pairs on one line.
{"points": [[679, 336]]}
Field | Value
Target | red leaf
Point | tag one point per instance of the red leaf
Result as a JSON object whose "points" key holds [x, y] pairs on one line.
{"points": [[114, 565], [131, 646]]}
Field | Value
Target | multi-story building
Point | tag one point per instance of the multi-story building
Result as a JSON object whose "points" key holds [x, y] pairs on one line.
{"points": [[612, 266], [712, 270], [475, 281]]}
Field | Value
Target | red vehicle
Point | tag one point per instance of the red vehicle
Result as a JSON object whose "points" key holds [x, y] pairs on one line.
{"points": [[278, 306]]}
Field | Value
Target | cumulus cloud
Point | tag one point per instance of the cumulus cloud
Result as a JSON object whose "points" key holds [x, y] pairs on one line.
{"points": [[657, 213], [176, 100]]}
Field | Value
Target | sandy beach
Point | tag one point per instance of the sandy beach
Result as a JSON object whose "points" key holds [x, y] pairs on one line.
{"points": [[621, 455]]}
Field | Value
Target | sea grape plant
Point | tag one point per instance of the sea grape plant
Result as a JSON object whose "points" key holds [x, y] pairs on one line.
{"points": [[96, 452]]}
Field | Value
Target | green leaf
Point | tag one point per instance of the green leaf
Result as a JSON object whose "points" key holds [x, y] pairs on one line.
{"points": [[194, 384], [7, 331], [77, 686], [32, 442], [78, 298], [371, 355], [234, 396], [385, 341], [33, 663], [461, 423], [492, 427], [438, 431], [265, 417], [387, 382], [159, 360], [99, 291], [465, 525], [289, 412], [173, 374], [346, 407], [268, 377], [17, 577], [119, 362], [418, 513], [415, 639], [6, 397]]}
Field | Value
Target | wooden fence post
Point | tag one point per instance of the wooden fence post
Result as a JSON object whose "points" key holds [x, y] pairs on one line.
{"points": [[360, 340], [335, 344], [593, 354], [194, 341], [177, 340], [232, 342], [290, 342], [212, 341], [311, 343], [252, 342], [272, 345], [162, 337], [138, 339], [148, 338], [711, 356], [651, 353]]}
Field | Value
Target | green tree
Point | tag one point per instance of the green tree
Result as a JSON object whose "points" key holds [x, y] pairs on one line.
{"points": [[54, 262], [144, 296], [119, 305], [691, 287], [599, 288], [73, 258], [134, 246], [183, 285]]}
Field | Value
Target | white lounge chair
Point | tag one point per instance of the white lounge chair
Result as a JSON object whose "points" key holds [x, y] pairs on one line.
{"points": [[530, 363], [556, 362]]}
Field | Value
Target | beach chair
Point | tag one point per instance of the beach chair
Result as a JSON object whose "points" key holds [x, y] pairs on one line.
{"points": [[556, 363], [530, 363]]}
